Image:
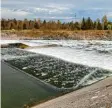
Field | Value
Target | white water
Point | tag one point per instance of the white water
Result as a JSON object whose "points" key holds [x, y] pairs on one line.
{"points": [[80, 56], [90, 53], [81, 52], [86, 78]]}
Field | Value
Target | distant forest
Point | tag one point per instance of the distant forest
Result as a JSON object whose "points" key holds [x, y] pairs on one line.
{"points": [[84, 24]]}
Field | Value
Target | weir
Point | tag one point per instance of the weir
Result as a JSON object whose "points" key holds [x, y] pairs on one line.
{"points": [[57, 72], [50, 68]]}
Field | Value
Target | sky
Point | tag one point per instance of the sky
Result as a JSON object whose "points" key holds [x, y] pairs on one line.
{"points": [[65, 10]]}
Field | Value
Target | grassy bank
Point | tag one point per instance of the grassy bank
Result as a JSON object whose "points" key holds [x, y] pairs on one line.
{"points": [[59, 34]]}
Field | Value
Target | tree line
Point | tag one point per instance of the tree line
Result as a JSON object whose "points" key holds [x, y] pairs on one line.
{"points": [[84, 24]]}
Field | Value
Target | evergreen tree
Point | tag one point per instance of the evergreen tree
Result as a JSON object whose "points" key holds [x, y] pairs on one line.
{"points": [[95, 25], [99, 26], [89, 24], [83, 24]]}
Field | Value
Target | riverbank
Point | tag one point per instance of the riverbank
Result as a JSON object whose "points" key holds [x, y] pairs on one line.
{"points": [[57, 34], [98, 95]]}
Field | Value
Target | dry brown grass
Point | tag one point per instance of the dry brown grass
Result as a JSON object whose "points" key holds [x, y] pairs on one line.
{"points": [[108, 105], [63, 34]]}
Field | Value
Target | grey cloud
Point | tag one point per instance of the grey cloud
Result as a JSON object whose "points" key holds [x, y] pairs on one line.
{"points": [[59, 8]]}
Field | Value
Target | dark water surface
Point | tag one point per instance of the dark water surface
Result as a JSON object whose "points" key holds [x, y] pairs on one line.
{"points": [[19, 89]]}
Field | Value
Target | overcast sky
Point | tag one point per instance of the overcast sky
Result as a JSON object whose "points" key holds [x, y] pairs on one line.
{"points": [[56, 9]]}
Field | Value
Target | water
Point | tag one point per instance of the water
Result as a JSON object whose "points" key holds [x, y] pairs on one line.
{"points": [[68, 65], [91, 53], [18, 89], [57, 72]]}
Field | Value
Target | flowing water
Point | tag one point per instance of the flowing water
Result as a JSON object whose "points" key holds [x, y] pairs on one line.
{"points": [[63, 65]]}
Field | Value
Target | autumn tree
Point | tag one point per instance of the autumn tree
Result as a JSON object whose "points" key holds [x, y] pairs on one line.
{"points": [[3, 24], [58, 24], [36, 25], [25, 24], [85, 24], [104, 22]]}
